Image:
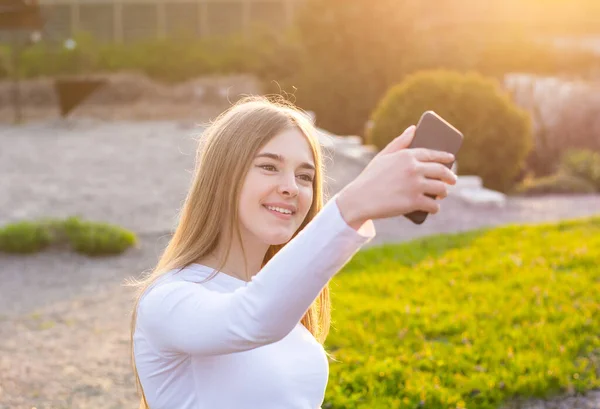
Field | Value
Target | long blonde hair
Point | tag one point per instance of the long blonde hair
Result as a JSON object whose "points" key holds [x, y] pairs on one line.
{"points": [[225, 152]]}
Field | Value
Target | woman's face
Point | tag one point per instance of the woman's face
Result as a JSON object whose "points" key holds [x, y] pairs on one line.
{"points": [[287, 182]]}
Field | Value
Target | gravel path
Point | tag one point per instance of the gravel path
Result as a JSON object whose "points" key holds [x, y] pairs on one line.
{"points": [[64, 318]]}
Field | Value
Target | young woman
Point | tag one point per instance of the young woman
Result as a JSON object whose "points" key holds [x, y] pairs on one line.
{"points": [[237, 310]]}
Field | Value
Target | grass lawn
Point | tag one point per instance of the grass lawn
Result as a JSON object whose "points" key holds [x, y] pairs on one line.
{"points": [[468, 321]]}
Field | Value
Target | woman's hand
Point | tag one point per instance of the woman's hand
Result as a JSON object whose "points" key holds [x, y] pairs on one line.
{"points": [[396, 182]]}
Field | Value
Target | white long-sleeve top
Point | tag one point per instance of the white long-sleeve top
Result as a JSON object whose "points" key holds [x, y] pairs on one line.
{"points": [[231, 344]]}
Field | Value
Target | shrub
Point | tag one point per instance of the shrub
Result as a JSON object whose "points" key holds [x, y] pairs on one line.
{"points": [[583, 163], [497, 134], [94, 239], [54, 59], [169, 61], [24, 237], [89, 238], [559, 183]]}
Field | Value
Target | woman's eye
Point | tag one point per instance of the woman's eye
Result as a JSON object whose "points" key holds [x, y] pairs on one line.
{"points": [[267, 166], [308, 178]]}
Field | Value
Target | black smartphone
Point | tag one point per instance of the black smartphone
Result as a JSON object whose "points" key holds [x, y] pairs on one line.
{"points": [[434, 132]]}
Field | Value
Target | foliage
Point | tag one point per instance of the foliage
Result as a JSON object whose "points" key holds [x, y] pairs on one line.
{"points": [[578, 172], [170, 60], [24, 237], [90, 238], [583, 163], [559, 183]]}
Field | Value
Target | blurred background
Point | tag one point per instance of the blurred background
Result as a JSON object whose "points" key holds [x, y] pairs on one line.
{"points": [[176, 59]]}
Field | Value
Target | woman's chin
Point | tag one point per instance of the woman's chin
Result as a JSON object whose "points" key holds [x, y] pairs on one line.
{"points": [[277, 239]]}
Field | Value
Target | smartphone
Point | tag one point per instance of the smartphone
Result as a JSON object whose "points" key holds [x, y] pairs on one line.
{"points": [[434, 132]]}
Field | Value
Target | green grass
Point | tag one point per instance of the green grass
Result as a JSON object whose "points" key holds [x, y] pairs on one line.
{"points": [[470, 320], [84, 237]]}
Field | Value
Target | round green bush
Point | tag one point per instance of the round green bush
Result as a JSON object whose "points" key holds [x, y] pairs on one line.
{"points": [[559, 183], [24, 237], [497, 134], [95, 239]]}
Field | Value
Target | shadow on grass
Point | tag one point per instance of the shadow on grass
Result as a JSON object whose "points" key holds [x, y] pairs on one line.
{"points": [[409, 254]]}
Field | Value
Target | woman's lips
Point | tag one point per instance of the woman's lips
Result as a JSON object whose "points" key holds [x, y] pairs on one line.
{"points": [[280, 215]]}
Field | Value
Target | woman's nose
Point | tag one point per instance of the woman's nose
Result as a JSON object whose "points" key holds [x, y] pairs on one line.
{"points": [[288, 186]]}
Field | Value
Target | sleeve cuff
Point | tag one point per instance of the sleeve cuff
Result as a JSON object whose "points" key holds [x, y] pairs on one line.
{"points": [[364, 234]]}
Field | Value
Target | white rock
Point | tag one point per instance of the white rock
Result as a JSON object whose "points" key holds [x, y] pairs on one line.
{"points": [[351, 140], [466, 182], [482, 196]]}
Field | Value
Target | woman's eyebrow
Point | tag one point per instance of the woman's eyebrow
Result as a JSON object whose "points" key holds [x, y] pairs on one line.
{"points": [[280, 158]]}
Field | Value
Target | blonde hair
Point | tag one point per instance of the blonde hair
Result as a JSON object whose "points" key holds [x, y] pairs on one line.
{"points": [[225, 152]]}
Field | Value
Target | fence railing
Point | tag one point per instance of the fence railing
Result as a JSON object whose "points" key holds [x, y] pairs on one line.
{"points": [[129, 20]]}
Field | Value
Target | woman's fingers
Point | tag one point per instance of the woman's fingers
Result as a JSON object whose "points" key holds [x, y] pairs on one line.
{"points": [[437, 171], [430, 155], [400, 142], [428, 204], [436, 188]]}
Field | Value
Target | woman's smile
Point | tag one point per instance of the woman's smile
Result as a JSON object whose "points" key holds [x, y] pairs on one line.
{"points": [[280, 215]]}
